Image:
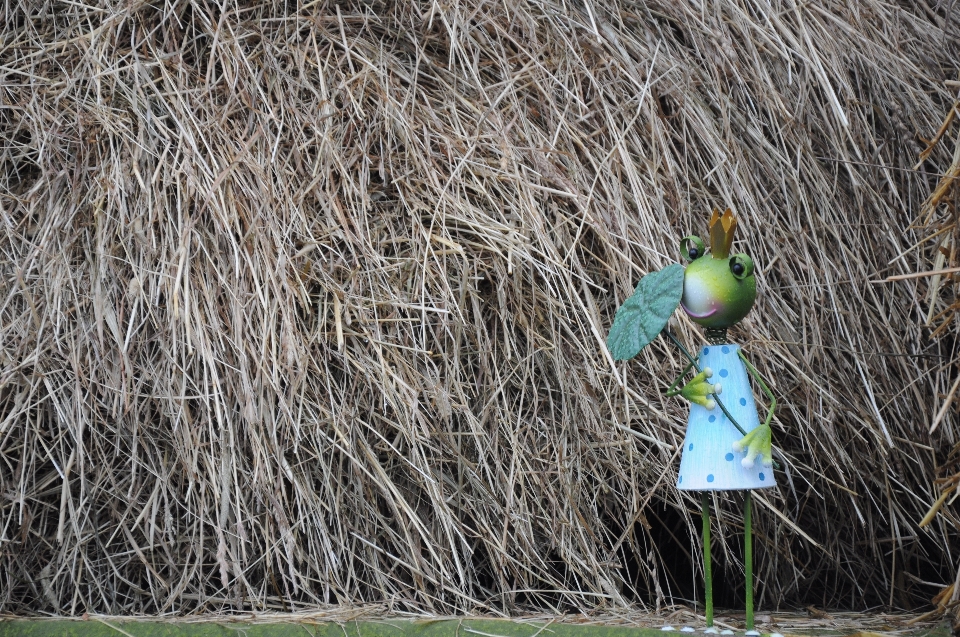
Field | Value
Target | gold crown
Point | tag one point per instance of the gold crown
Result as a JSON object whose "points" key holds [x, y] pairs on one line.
{"points": [[721, 233]]}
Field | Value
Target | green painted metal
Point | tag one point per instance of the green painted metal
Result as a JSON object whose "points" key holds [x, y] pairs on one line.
{"points": [[97, 627], [707, 566], [748, 555], [644, 315], [94, 627]]}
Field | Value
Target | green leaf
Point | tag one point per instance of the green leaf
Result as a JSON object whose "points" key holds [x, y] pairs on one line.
{"points": [[645, 314]]}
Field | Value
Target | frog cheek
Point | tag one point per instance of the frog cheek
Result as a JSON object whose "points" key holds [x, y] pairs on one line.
{"points": [[698, 300]]}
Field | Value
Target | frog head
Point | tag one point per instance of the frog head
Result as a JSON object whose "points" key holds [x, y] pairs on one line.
{"points": [[718, 289]]}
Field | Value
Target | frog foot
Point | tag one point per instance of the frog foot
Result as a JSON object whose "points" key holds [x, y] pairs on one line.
{"points": [[698, 389], [758, 444]]}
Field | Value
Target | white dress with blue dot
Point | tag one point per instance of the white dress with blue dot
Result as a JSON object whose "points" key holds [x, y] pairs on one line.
{"points": [[709, 462]]}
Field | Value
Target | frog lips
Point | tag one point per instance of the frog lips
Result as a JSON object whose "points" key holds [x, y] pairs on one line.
{"points": [[695, 315]]}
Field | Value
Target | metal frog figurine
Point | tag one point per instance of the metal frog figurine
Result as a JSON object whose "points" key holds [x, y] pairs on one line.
{"points": [[724, 437]]}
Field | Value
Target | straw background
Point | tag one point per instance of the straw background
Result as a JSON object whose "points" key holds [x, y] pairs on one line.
{"points": [[304, 303]]}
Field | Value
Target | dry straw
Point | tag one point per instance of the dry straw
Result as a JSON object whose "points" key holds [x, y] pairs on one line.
{"points": [[304, 303]]}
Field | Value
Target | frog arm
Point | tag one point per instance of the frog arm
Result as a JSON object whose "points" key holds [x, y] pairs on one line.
{"points": [[698, 391], [672, 389], [756, 375], [758, 442], [693, 361]]}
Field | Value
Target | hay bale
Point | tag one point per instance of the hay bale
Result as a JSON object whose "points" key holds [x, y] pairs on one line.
{"points": [[305, 304]]}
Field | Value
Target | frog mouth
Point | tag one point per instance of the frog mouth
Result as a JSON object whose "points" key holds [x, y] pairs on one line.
{"points": [[695, 315]]}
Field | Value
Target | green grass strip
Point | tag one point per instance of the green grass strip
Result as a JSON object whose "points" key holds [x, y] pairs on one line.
{"points": [[95, 627]]}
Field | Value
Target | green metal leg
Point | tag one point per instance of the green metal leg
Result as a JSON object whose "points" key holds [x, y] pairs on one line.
{"points": [[748, 555], [707, 568]]}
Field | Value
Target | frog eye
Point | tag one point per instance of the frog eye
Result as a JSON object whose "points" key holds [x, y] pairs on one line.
{"points": [[741, 266], [692, 248]]}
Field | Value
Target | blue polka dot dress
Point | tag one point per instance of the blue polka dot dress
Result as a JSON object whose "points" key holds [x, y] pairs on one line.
{"points": [[709, 462]]}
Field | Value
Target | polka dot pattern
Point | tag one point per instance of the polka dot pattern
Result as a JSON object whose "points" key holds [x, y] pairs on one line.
{"points": [[709, 461]]}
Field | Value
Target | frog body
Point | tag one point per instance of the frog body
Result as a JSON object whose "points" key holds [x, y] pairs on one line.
{"points": [[709, 461]]}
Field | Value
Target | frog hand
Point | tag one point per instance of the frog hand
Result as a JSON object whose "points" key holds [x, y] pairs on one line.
{"points": [[697, 390], [757, 443]]}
